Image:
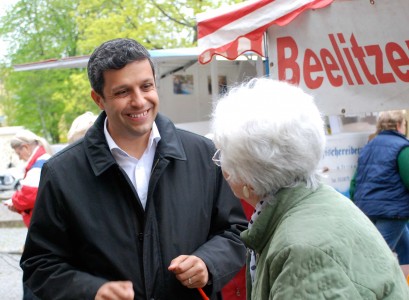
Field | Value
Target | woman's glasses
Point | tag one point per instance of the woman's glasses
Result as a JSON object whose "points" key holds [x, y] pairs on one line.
{"points": [[216, 158]]}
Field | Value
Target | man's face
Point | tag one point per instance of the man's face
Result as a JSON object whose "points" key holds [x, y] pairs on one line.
{"points": [[130, 100]]}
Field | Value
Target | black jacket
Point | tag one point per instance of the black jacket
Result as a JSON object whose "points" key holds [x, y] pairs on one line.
{"points": [[89, 226]]}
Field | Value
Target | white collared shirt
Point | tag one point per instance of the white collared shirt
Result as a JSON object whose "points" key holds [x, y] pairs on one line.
{"points": [[138, 170]]}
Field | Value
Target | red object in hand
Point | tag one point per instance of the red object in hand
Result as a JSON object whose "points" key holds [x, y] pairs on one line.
{"points": [[203, 294]]}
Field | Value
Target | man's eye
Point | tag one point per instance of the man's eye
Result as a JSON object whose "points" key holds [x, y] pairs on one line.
{"points": [[148, 86], [121, 93]]}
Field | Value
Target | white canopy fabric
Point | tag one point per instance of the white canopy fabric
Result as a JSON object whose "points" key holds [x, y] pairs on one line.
{"points": [[230, 31], [160, 57]]}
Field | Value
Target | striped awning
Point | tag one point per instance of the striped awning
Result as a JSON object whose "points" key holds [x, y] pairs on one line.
{"points": [[231, 31]]}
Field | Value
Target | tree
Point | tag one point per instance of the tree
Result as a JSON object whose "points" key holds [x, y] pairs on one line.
{"points": [[48, 101], [157, 24], [38, 30]]}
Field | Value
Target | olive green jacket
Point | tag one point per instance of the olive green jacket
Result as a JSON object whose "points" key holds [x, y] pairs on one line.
{"points": [[319, 245]]}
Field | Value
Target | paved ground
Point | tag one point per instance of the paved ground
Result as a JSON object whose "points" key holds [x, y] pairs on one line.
{"points": [[12, 237]]}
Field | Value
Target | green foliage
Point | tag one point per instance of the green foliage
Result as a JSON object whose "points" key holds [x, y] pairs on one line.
{"points": [[76, 99], [38, 30], [47, 101], [34, 103]]}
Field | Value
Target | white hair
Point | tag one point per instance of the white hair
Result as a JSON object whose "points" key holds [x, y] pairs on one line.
{"points": [[80, 126], [270, 134], [27, 137]]}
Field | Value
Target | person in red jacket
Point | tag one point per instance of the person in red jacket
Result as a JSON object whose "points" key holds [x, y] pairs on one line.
{"points": [[35, 151], [235, 289]]}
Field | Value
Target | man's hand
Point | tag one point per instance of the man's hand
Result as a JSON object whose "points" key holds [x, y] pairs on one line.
{"points": [[190, 270], [116, 290]]}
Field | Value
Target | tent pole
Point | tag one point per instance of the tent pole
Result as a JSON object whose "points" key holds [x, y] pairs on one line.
{"points": [[266, 61], [214, 80]]}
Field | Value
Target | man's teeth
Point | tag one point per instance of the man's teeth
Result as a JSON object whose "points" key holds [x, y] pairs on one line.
{"points": [[139, 115]]}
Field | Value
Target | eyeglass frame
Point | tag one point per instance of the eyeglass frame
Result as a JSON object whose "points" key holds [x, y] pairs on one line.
{"points": [[216, 158]]}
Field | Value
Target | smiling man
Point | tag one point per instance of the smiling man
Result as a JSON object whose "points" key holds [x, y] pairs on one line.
{"points": [[136, 209]]}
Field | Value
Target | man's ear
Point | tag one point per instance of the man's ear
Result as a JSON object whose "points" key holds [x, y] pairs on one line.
{"points": [[97, 99]]}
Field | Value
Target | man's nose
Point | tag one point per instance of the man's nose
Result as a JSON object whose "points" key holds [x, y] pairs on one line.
{"points": [[137, 98]]}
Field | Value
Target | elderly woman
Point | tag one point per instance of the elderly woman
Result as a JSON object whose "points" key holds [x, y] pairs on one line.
{"points": [[306, 240], [381, 183], [35, 151]]}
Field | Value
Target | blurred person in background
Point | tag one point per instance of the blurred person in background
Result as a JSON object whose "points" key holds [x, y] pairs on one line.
{"points": [[79, 126], [380, 187], [305, 240], [35, 151]]}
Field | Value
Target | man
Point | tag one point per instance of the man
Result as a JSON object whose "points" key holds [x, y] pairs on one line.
{"points": [[135, 210]]}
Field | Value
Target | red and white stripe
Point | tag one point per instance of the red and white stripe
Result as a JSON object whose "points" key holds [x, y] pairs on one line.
{"points": [[231, 31]]}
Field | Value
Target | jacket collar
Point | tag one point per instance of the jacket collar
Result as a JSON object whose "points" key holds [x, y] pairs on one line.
{"points": [[38, 151], [272, 215], [101, 159], [392, 132], [170, 145]]}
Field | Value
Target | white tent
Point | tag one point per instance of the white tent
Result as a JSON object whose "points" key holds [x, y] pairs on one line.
{"points": [[353, 56], [167, 61]]}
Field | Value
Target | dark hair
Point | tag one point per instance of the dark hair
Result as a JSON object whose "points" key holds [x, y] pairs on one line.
{"points": [[114, 55]]}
